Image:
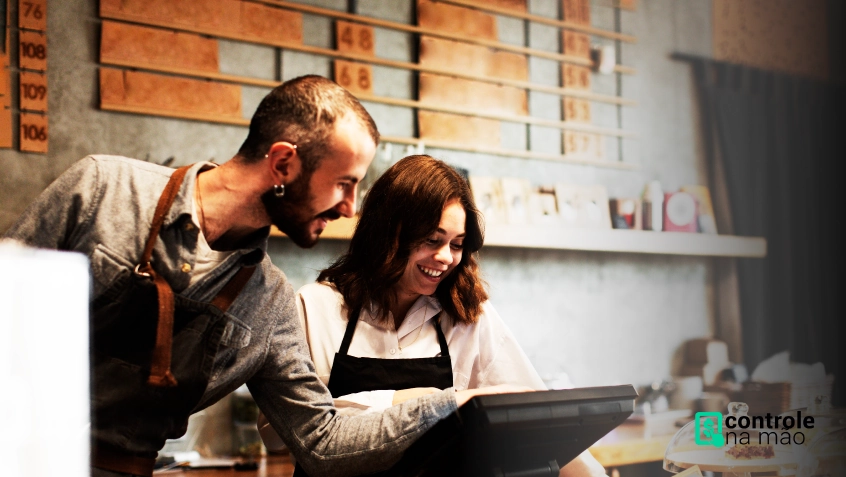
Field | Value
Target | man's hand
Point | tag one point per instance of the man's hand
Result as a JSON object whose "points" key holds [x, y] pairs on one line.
{"points": [[462, 397], [405, 394]]}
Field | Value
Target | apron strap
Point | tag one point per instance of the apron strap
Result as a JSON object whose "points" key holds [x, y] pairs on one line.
{"points": [[441, 338], [348, 334], [232, 288], [160, 375]]}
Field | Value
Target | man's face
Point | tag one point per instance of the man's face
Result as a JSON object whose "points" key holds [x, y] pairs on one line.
{"points": [[313, 200]]}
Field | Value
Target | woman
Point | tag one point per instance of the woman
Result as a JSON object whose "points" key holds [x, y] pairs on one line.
{"points": [[405, 311]]}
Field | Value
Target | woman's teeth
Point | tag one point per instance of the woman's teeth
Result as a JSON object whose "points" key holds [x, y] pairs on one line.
{"points": [[430, 272]]}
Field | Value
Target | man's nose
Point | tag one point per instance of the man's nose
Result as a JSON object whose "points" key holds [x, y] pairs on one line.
{"points": [[347, 205]]}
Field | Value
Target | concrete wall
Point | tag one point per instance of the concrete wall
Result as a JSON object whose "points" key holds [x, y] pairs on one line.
{"points": [[601, 318]]}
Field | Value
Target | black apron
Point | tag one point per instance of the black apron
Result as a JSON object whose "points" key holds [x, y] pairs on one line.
{"points": [[148, 375], [353, 375]]}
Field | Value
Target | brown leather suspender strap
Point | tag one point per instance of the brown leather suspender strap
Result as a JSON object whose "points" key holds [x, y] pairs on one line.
{"points": [[160, 374], [233, 287]]}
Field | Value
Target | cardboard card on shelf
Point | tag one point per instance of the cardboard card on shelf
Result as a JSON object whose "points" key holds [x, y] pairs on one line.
{"points": [[515, 193], [583, 206], [487, 193]]}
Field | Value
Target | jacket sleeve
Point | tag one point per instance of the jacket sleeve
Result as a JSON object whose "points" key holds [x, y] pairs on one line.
{"points": [[60, 212], [325, 442]]}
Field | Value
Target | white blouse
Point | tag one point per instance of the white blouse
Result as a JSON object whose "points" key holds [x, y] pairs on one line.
{"points": [[482, 354]]}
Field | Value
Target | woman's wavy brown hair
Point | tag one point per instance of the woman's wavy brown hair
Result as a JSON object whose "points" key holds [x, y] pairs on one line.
{"points": [[403, 209]]}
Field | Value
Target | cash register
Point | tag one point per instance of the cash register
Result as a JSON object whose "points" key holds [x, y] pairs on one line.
{"points": [[517, 435]]}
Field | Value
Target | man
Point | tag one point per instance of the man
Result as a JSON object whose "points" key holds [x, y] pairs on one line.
{"points": [[186, 304]]}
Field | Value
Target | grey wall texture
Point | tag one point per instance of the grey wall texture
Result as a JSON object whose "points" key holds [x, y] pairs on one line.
{"points": [[599, 318]]}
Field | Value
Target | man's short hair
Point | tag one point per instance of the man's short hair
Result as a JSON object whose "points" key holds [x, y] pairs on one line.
{"points": [[303, 111]]}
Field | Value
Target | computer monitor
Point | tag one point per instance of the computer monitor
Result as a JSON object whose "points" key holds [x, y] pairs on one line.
{"points": [[520, 434]]}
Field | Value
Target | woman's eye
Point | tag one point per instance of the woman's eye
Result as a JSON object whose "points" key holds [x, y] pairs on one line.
{"points": [[432, 241], [457, 246]]}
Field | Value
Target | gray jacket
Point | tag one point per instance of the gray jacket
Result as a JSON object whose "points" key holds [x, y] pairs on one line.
{"points": [[102, 207]]}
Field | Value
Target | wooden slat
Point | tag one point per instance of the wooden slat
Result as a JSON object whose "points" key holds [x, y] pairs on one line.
{"points": [[450, 18], [543, 20], [576, 11], [122, 42], [391, 139], [440, 90], [460, 130], [514, 5], [565, 125], [383, 62], [123, 88], [440, 34]]}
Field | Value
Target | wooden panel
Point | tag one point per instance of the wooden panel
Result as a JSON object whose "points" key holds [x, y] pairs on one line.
{"points": [[218, 15], [266, 23], [503, 64], [355, 38], [34, 134], [33, 50], [575, 77], [168, 94], [576, 11], [464, 130], [483, 97], [32, 14], [33, 88], [454, 19], [575, 44], [577, 110], [357, 78], [472, 59], [140, 45], [513, 5], [583, 145], [453, 55]]}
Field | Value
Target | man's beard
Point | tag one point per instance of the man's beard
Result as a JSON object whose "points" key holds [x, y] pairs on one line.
{"points": [[292, 214]]}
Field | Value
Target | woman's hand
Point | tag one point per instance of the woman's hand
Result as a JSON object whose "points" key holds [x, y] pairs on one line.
{"points": [[403, 395], [463, 396]]}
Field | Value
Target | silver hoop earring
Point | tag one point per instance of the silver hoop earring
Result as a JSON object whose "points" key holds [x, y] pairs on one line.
{"points": [[279, 190]]}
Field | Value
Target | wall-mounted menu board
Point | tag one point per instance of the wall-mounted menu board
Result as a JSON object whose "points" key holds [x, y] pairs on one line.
{"points": [[31, 97], [469, 82]]}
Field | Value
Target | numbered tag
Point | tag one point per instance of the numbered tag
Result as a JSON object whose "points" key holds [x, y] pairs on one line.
{"points": [[576, 77], [584, 146], [576, 11], [34, 133], [33, 54], [33, 91], [575, 44], [355, 38], [32, 14], [576, 110], [356, 78]]}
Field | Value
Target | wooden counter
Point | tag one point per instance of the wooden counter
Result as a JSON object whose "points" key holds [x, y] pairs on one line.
{"points": [[627, 444], [630, 444]]}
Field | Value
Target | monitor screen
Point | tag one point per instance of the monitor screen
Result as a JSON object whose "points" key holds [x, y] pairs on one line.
{"points": [[518, 434]]}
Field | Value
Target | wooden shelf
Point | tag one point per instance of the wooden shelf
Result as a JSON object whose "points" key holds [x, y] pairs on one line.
{"points": [[622, 241]]}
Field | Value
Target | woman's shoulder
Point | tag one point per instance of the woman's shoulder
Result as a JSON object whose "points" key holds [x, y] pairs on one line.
{"points": [[318, 290]]}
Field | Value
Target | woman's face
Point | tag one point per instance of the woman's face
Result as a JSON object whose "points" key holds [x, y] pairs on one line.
{"points": [[431, 262]]}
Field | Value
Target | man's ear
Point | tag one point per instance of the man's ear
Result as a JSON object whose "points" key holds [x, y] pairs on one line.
{"points": [[284, 162]]}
